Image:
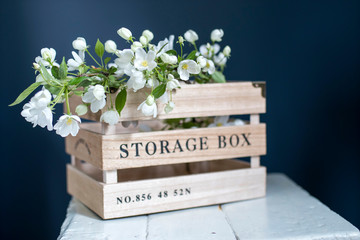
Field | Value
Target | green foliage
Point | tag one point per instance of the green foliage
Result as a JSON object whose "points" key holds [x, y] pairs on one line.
{"points": [[99, 49], [120, 100], [172, 52], [218, 77], [107, 60], [63, 71], [76, 81], [55, 72], [159, 91], [191, 55], [25, 93]]}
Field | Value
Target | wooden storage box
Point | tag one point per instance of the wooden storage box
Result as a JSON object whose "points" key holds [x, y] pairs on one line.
{"points": [[119, 172]]}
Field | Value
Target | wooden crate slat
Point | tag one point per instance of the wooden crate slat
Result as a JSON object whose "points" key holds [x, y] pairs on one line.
{"points": [[121, 199], [195, 100], [109, 152]]}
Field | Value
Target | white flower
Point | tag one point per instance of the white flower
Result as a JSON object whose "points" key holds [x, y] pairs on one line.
{"points": [[79, 44], [169, 107], [149, 35], [124, 61], [81, 109], [209, 50], [227, 51], [111, 117], [110, 46], [144, 41], [172, 83], [165, 45], [186, 67], [67, 124], [191, 36], [47, 57], [238, 122], [124, 33], [170, 59], [136, 80], [201, 61], [144, 61], [152, 83], [148, 107], [209, 67], [96, 97], [75, 63], [216, 35], [36, 66], [37, 110], [220, 121], [136, 45], [220, 59]]}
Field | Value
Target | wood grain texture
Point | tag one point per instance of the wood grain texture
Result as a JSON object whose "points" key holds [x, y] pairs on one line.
{"points": [[86, 189], [195, 100], [147, 148], [204, 189]]}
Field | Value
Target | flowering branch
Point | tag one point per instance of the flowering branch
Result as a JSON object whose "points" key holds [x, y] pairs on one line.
{"points": [[158, 67]]}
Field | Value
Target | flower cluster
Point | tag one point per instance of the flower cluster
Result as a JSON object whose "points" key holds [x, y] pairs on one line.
{"points": [[158, 67]]}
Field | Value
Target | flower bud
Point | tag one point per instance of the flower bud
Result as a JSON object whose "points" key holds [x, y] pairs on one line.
{"points": [[170, 59], [149, 35], [227, 51], [124, 33], [201, 61], [169, 107], [150, 100], [110, 46], [79, 44], [46, 54], [36, 66], [144, 41], [136, 45], [99, 91], [216, 35], [81, 109], [181, 40], [191, 36]]}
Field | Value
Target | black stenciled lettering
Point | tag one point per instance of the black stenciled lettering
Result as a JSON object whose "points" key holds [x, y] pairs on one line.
{"points": [[177, 145], [187, 144], [164, 145], [203, 143], [136, 148], [222, 141], [147, 148], [123, 148], [246, 138], [237, 140]]}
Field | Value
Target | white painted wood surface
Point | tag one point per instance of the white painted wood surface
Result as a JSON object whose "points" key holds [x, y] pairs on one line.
{"points": [[287, 212]]}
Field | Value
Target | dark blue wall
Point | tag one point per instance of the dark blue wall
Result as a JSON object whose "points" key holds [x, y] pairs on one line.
{"points": [[307, 51]]}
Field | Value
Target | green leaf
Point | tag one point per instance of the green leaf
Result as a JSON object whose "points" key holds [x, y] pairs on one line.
{"points": [[107, 60], [25, 93], [99, 48], [55, 72], [159, 90], [172, 52], [218, 77], [112, 70], [53, 90], [161, 78], [77, 80], [45, 73], [191, 55], [84, 83], [120, 100], [63, 71]]}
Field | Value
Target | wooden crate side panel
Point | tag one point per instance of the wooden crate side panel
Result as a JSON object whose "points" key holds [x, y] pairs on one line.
{"points": [[192, 145], [131, 198], [195, 100], [85, 146], [86, 189]]}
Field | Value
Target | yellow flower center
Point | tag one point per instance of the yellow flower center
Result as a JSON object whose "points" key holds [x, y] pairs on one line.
{"points": [[185, 66], [207, 65], [219, 124], [144, 63], [69, 121]]}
